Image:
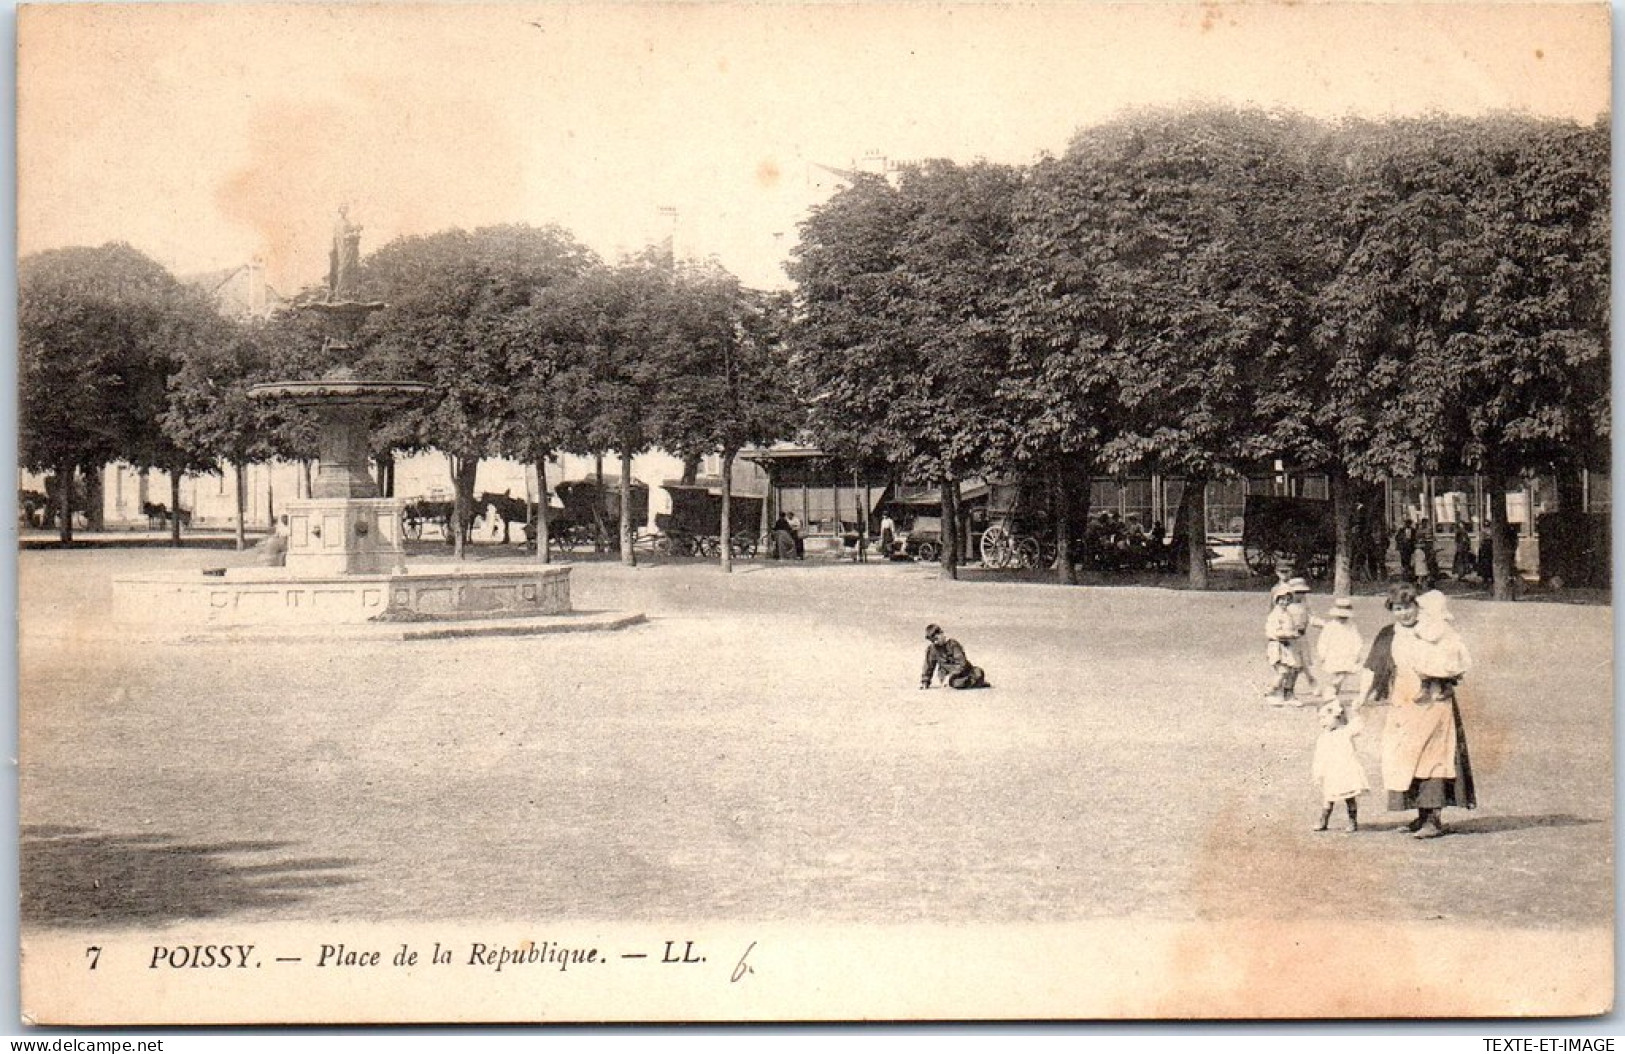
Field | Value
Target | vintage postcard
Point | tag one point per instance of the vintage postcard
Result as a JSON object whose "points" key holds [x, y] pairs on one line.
{"points": [[591, 512]]}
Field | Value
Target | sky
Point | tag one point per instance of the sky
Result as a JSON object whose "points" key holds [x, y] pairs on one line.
{"points": [[206, 135]]}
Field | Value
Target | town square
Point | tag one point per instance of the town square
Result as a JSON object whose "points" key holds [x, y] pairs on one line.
{"points": [[727, 513]]}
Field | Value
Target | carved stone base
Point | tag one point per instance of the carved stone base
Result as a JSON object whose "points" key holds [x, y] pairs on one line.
{"points": [[274, 595]]}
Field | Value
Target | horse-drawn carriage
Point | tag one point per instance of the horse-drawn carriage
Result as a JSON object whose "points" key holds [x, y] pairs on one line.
{"points": [[1299, 531], [485, 515], [1019, 532], [590, 518], [694, 525]]}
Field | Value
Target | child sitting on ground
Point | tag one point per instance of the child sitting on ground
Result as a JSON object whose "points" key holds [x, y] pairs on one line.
{"points": [[1338, 649], [1440, 658], [1336, 766]]}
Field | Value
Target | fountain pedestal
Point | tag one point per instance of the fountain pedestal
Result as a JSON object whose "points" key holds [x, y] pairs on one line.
{"points": [[344, 536], [345, 561]]}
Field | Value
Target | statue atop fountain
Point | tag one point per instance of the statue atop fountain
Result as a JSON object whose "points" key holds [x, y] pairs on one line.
{"points": [[344, 260]]}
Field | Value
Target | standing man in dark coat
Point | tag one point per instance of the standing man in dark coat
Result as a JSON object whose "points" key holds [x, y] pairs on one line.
{"points": [[944, 654], [1405, 548]]}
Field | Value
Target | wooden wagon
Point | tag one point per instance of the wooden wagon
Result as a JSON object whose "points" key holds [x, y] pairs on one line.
{"points": [[592, 518], [694, 525]]}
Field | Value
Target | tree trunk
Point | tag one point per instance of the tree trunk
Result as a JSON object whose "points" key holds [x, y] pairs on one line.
{"points": [[629, 555], [950, 528], [175, 508], [64, 493], [727, 511], [304, 467], [1342, 521], [1503, 554], [1194, 500], [543, 556], [463, 470], [691, 470], [239, 471], [763, 539], [599, 542], [386, 474], [1066, 573]]}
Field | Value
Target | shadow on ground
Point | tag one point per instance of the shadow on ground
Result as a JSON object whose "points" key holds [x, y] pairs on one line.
{"points": [[72, 876], [1502, 824]]}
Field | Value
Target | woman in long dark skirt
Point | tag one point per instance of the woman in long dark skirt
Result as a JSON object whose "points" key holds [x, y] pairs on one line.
{"points": [[1425, 764]]}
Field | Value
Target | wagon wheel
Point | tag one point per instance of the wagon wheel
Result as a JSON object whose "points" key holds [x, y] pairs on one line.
{"points": [[996, 548], [411, 525], [1028, 552], [709, 545], [1261, 559], [566, 538], [745, 544], [929, 552]]}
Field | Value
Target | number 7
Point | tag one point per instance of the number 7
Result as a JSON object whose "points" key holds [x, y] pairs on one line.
{"points": [[95, 954]]}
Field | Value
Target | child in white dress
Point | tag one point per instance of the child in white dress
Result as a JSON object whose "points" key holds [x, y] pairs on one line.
{"points": [[1339, 648], [1281, 637], [1336, 767]]}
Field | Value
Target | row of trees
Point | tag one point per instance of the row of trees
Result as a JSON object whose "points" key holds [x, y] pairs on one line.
{"points": [[1179, 292], [1192, 292], [533, 346]]}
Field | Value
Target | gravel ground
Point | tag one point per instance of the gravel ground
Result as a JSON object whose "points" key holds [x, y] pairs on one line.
{"points": [[760, 750]]}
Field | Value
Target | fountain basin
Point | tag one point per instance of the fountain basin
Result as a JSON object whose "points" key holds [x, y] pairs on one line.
{"points": [[250, 596]]}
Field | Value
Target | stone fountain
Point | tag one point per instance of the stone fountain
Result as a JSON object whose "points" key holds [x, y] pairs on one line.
{"points": [[345, 560]]}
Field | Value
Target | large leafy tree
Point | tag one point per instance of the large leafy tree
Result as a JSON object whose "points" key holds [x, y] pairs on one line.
{"points": [[1532, 356], [900, 338], [449, 300], [1465, 325], [210, 415], [616, 346], [99, 331], [1170, 241], [726, 381], [1058, 401]]}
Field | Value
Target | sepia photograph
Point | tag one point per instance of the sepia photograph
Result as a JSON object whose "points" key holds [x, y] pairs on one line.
{"points": [[586, 512]]}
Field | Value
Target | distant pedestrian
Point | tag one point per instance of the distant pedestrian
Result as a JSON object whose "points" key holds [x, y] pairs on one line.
{"points": [[1405, 548], [784, 539], [1427, 547], [1336, 767], [945, 657], [1461, 564], [888, 536], [794, 523]]}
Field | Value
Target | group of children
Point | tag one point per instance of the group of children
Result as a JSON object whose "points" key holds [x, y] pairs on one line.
{"points": [[1337, 652], [1440, 659]]}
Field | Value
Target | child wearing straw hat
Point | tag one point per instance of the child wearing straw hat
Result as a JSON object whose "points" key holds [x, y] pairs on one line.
{"points": [[1338, 649]]}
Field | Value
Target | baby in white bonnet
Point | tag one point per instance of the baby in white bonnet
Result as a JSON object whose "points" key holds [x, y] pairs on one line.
{"points": [[1441, 657]]}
